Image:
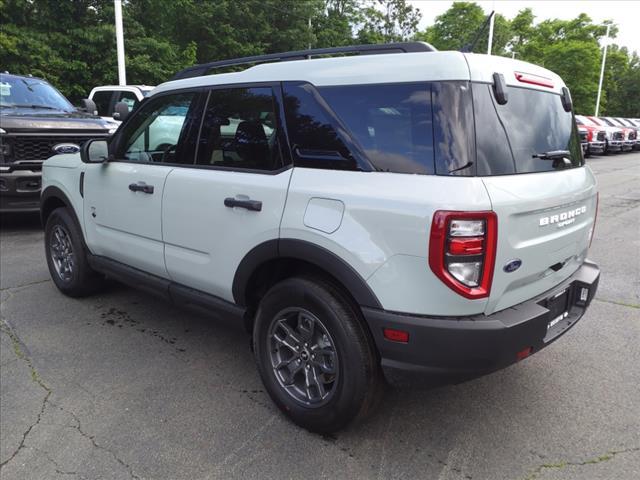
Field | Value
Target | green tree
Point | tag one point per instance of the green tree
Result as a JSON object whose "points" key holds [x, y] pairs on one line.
{"points": [[385, 21], [459, 25]]}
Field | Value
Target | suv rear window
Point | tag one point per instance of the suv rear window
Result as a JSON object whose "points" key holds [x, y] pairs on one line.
{"points": [[512, 138]]}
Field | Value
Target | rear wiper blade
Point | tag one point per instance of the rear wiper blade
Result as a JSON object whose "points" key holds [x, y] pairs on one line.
{"points": [[552, 155]]}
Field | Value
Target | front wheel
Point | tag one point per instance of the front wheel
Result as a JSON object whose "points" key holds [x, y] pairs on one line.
{"points": [[314, 355], [67, 256]]}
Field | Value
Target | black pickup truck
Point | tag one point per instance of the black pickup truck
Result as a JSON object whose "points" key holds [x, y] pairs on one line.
{"points": [[36, 122]]}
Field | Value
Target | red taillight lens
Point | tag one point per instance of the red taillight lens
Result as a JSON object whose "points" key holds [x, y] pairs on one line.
{"points": [[462, 250], [466, 246], [396, 335], [533, 79]]}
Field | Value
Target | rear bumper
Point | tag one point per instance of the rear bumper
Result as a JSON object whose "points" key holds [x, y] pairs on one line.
{"points": [[20, 188], [481, 344]]}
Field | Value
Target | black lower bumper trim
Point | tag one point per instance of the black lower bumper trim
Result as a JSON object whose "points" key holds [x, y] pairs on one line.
{"points": [[481, 344]]}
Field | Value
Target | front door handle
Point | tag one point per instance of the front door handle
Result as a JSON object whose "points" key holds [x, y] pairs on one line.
{"points": [[253, 205], [141, 187]]}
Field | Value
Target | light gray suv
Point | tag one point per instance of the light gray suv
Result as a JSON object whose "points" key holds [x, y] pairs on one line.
{"points": [[410, 210]]}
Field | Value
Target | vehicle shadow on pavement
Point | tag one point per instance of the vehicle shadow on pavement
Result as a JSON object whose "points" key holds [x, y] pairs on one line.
{"points": [[20, 222]]}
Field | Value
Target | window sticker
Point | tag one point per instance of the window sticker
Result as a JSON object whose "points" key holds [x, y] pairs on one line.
{"points": [[5, 89]]}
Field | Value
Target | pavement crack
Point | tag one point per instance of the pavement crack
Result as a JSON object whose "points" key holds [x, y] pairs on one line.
{"points": [[92, 439], [15, 340], [16, 287], [535, 473], [56, 465]]}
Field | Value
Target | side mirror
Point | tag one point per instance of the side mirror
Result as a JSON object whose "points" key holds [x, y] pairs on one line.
{"points": [[88, 106], [120, 111], [95, 151]]}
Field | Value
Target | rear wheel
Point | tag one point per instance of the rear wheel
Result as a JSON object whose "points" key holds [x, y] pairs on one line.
{"points": [[314, 356], [67, 256]]}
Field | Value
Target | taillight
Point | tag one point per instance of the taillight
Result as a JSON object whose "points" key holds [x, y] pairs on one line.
{"points": [[589, 135], [534, 79], [462, 250]]}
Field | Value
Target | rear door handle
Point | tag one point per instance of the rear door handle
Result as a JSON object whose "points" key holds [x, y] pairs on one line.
{"points": [[141, 187], [253, 205]]}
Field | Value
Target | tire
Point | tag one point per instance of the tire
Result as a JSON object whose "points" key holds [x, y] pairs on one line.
{"points": [[66, 256], [345, 365]]}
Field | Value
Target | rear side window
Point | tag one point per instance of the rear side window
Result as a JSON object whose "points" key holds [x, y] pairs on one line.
{"points": [[317, 137], [526, 134], [102, 99], [392, 123], [240, 130]]}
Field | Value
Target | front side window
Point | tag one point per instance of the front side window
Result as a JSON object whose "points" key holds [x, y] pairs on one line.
{"points": [[240, 130], [155, 132]]}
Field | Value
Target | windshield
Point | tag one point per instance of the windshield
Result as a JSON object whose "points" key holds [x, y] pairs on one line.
{"points": [[530, 133], [31, 93]]}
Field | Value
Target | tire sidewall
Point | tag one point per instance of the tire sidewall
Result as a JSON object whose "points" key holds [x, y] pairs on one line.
{"points": [[354, 361], [62, 217]]}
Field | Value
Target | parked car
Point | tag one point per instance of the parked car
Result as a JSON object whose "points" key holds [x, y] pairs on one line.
{"points": [[36, 122], [584, 140], [614, 136], [636, 126], [357, 214], [595, 136], [629, 139], [107, 96]]}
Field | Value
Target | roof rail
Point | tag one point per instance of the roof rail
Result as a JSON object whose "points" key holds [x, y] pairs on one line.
{"points": [[403, 47]]}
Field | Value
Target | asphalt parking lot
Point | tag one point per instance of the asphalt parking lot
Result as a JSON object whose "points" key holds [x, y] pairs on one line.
{"points": [[121, 385]]}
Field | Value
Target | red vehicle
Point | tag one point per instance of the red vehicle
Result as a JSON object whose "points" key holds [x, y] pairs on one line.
{"points": [[614, 135], [596, 137]]}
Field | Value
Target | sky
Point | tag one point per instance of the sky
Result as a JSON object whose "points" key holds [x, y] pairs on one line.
{"points": [[626, 14]]}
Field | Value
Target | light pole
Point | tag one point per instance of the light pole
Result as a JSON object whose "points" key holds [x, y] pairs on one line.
{"points": [[604, 59], [122, 75]]}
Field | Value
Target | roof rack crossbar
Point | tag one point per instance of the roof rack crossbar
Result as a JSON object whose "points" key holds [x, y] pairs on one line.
{"points": [[403, 47]]}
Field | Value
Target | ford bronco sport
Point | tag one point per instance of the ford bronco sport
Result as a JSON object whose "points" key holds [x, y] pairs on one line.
{"points": [[412, 210]]}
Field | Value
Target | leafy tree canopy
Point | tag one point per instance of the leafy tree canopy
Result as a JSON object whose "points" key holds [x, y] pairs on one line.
{"points": [[72, 42]]}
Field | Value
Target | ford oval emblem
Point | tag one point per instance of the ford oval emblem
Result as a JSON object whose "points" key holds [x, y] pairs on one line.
{"points": [[66, 148], [512, 266]]}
